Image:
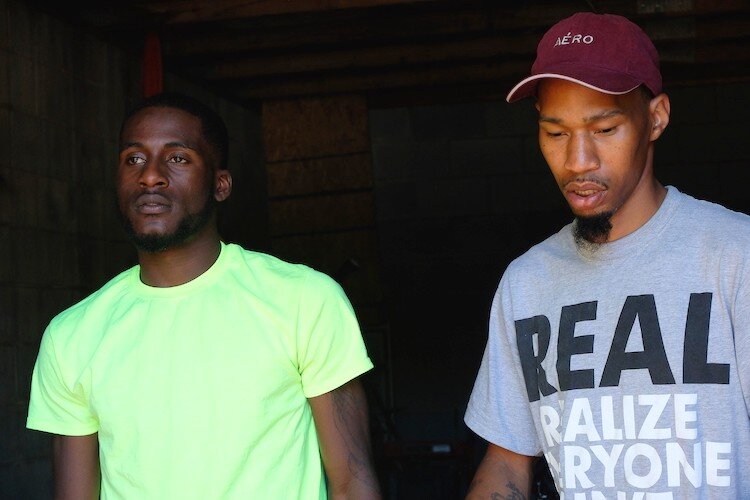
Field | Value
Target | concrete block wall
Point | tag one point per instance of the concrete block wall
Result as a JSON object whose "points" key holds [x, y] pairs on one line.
{"points": [[703, 152], [321, 209], [62, 96], [461, 190]]}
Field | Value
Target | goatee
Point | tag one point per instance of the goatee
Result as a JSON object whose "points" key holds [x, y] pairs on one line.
{"points": [[593, 230]]}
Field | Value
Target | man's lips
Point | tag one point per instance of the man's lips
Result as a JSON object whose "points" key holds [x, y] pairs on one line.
{"points": [[152, 204], [584, 195]]}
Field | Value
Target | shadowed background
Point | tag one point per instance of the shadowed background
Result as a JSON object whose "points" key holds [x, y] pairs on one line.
{"points": [[369, 139]]}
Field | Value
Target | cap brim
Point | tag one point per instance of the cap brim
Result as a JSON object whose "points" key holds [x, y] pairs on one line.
{"points": [[611, 83]]}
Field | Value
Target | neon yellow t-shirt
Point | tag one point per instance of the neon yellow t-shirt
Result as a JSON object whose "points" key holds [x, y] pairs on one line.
{"points": [[199, 391]]}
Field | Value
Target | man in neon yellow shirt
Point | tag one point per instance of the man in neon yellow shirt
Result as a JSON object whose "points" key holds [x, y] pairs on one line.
{"points": [[207, 371]]}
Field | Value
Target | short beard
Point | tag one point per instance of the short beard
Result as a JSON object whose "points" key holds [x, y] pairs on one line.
{"points": [[189, 226], [592, 231]]}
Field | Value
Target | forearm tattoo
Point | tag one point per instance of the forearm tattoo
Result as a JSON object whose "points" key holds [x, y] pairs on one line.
{"points": [[350, 416], [513, 493]]}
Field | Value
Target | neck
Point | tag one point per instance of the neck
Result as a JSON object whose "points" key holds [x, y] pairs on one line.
{"points": [[180, 264], [639, 209]]}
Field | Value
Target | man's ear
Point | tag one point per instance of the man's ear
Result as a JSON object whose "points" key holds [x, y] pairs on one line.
{"points": [[658, 109], [222, 185]]}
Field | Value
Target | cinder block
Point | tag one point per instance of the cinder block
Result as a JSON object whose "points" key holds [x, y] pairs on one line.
{"points": [[24, 206], [712, 144], [533, 160], [36, 306], [454, 121], [91, 108], [110, 152], [27, 354], [94, 60], [730, 98], [395, 201], [89, 209], [44, 258], [493, 156], [55, 45], [6, 195], [55, 95], [56, 211], [23, 81], [6, 256], [311, 128], [8, 374], [23, 29], [9, 479], [119, 256], [27, 143], [390, 123], [531, 192], [396, 159], [319, 175], [92, 160], [5, 128], [321, 213], [35, 479], [454, 197], [8, 316], [10, 429], [504, 119], [349, 257], [4, 73], [692, 105], [734, 178], [4, 26], [61, 143]]}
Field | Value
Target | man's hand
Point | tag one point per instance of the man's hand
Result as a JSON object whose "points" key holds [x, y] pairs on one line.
{"points": [[502, 475], [76, 464], [344, 435]]}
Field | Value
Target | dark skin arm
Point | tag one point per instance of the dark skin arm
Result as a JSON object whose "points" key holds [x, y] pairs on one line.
{"points": [[502, 474], [343, 432], [76, 467]]}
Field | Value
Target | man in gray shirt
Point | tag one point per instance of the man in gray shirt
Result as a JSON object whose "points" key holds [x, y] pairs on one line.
{"points": [[619, 348]]}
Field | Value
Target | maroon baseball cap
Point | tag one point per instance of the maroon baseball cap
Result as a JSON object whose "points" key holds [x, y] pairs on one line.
{"points": [[604, 52]]}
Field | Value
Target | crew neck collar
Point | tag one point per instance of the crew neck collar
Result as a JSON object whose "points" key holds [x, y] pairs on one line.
{"points": [[208, 277]]}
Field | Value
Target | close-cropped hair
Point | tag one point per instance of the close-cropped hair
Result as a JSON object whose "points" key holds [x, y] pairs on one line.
{"points": [[213, 128]]}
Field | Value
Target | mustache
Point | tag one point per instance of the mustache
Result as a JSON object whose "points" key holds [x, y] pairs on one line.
{"points": [[580, 181]]}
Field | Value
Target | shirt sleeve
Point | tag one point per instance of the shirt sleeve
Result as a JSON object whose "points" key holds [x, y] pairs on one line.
{"points": [[498, 408], [57, 404], [330, 349]]}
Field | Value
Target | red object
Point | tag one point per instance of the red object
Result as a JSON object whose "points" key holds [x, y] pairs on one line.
{"points": [[604, 52], [153, 74]]}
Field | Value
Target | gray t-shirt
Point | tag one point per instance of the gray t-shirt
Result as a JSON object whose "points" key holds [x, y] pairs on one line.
{"points": [[628, 367]]}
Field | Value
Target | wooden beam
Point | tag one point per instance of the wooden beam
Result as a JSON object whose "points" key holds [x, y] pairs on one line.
{"points": [[374, 81], [399, 56], [200, 11]]}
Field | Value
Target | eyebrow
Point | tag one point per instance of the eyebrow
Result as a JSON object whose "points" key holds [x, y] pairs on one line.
{"points": [[174, 144], [589, 119]]}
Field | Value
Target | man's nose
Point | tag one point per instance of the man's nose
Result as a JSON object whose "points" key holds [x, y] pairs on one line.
{"points": [[581, 155], [152, 175]]}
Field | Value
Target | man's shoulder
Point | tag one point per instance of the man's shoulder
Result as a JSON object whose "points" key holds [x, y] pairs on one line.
{"points": [[555, 248], [723, 217], [262, 267], [103, 298]]}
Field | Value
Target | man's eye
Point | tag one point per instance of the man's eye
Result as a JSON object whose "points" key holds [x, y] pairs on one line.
{"points": [[135, 160], [554, 134], [178, 159], [606, 131]]}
